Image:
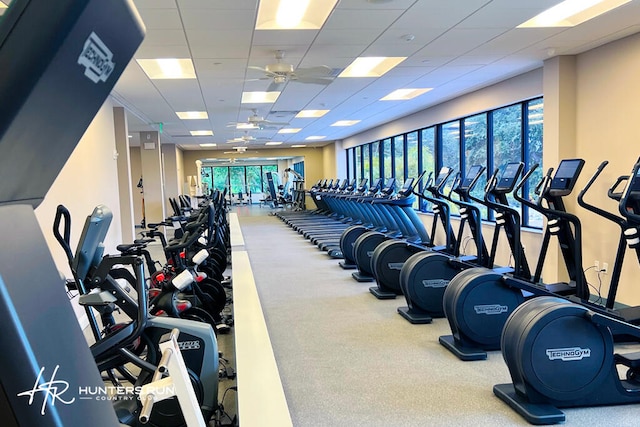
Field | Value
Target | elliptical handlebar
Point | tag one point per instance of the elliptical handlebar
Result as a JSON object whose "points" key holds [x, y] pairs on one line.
{"points": [[520, 185], [605, 214], [623, 205], [64, 239], [611, 192]]}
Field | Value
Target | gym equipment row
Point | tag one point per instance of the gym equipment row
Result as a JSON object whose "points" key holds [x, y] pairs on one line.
{"points": [[549, 333]]}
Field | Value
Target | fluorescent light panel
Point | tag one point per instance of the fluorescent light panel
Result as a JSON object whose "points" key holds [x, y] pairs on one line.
{"points": [[192, 115], [3, 6], [298, 146], [570, 13], [290, 130], [168, 68], [371, 66], [405, 94], [201, 133], [259, 97], [311, 113], [246, 126], [346, 122], [315, 138], [293, 14], [273, 143], [208, 145]]}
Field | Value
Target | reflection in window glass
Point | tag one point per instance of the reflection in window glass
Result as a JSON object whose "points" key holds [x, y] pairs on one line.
{"points": [[507, 142], [386, 154], [366, 163], [375, 161], [535, 116], [237, 180], [475, 150], [349, 165], [398, 152]]}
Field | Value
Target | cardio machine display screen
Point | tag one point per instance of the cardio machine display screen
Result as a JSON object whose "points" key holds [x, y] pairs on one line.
{"points": [[509, 177], [444, 173], [566, 175], [471, 174]]}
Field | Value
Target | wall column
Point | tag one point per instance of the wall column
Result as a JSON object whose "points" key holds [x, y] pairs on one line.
{"points": [[172, 185], [559, 86], [124, 174], [151, 160]]}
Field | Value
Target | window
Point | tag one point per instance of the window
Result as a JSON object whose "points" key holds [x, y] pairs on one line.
{"points": [[366, 163], [507, 140], [206, 176], [254, 181], [491, 139], [299, 168], [375, 161], [220, 178], [475, 149], [358, 163], [398, 156], [533, 155], [387, 170], [265, 169]]}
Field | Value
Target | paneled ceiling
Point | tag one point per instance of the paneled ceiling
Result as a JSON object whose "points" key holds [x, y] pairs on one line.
{"points": [[453, 46]]}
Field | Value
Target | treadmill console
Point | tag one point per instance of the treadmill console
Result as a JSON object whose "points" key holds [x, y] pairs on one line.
{"points": [[389, 187], [362, 186], [565, 177], [472, 173], [508, 179], [407, 187]]}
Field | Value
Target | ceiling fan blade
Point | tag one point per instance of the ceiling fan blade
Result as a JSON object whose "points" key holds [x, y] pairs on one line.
{"points": [[251, 67], [269, 122], [313, 80], [319, 71]]}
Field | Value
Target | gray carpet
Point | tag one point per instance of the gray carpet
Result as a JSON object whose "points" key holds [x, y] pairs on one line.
{"points": [[348, 359]]}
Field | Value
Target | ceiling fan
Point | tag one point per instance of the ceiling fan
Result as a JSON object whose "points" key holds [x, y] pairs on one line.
{"points": [[281, 72], [256, 122], [246, 138], [239, 150]]}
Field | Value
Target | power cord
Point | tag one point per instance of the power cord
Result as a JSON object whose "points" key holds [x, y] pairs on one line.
{"points": [[598, 290], [222, 415]]}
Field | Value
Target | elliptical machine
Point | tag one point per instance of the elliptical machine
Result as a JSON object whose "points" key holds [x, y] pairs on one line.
{"points": [[425, 276], [478, 302]]}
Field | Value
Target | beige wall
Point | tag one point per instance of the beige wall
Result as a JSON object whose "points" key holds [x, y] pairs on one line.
{"points": [[89, 178], [136, 173], [607, 111]]}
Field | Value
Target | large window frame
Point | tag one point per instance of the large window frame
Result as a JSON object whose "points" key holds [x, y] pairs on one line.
{"points": [[449, 142]]}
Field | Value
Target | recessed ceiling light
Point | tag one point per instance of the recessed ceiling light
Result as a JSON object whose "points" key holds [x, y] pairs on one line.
{"points": [[168, 68], [259, 97], [208, 145], [3, 6], [570, 13], [273, 143], [404, 94], [192, 115], [345, 122], [298, 146], [315, 138], [371, 66], [290, 130], [201, 133], [293, 14], [311, 113], [246, 126]]}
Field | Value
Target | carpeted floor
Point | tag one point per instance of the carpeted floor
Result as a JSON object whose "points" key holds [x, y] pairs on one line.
{"points": [[348, 359]]}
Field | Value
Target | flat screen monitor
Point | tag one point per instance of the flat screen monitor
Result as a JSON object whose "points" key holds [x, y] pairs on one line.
{"points": [[509, 176], [363, 184], [634, 183], [377, 184], [566, 175], [442, 175], [472, 173], [389, 186]]}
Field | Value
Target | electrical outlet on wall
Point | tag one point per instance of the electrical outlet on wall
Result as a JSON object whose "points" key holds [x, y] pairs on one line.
{"points": [[605, 267]]}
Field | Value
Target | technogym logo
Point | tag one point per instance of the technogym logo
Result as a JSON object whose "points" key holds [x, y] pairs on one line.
{"points": [[395, 265], [97, 59], [435, 283], [568, 354], [490, 309], [57, 391]]}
